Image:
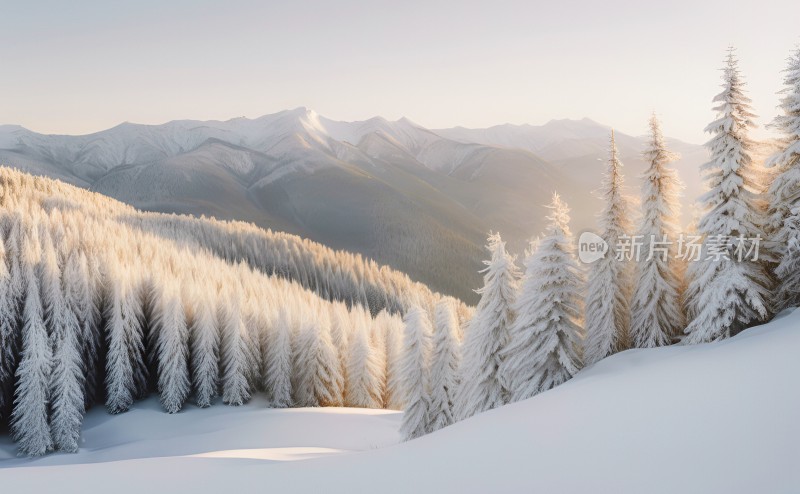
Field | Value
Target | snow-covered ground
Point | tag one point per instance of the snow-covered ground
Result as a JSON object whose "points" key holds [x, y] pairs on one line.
{"points": [[717, 418], [251, 431]]}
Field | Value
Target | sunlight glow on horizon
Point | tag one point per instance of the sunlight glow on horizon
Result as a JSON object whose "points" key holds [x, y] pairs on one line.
{"points": [[77, 69]]}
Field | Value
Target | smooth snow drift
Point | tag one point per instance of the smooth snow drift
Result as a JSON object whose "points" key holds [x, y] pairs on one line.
{"points": [[714, 418], [250, 431]]}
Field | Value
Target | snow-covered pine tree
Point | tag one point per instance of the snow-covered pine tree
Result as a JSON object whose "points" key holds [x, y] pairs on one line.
{"points": [[414, 374], [609, 285], [788, 270], [332, 360], [93, 345], [377, 342], [67, 378], [79, 300], [50, 287], [487, 334], [10, 285], [173, 350], [465, 314], [728, 294], [80, 296], [152, 293], [252, 315], [124, 337], [316, 377], [340, 331], [393, 336], [784, 192], [29, 418], [363, 384], [444, 364], [278, 361], [235, 388], [656, 314], [544, 348], [17, 249], [14, 249], [204, 341], [267, 314]]}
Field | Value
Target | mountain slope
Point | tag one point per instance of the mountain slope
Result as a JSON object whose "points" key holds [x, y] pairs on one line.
{"points": [[576, 145], [387, 190], [32, 203]]}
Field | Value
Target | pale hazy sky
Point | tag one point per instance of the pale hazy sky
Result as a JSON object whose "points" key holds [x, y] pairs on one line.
{"points": [[82, 66]]}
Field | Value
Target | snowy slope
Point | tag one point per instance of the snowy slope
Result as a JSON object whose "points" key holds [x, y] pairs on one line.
{"points": [[715, 418], [249, 431]]}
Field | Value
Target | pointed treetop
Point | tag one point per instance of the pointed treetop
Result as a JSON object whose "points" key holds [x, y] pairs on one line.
{"points": [[613, 216], [497, 247], [613, 155], [788, 122], [658, 147], [655, 128], [730, 58], [494, 240], [733, 102], [657, 153], [558, 219], [730, 68], [731, 72]]}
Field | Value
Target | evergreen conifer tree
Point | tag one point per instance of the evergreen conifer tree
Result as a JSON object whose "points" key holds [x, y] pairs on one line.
{"points": [[393, 337], [363, 385], [30, 426], [67, 378], [204, 341], [279, 362], [414, 374], [784, 192], [317, 377], [124, 341], [609, 285], [173, 350], [656, 314], [545, 344], [729, 293], [487, 334], [235, 387], [444, 364], [9, 281]]}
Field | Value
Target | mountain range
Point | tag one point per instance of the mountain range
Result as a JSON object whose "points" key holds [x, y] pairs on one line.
{"points": [[417, 199]]}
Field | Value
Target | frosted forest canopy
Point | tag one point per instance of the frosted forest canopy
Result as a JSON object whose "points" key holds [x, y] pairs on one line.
{"points": [[103, 303]]}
